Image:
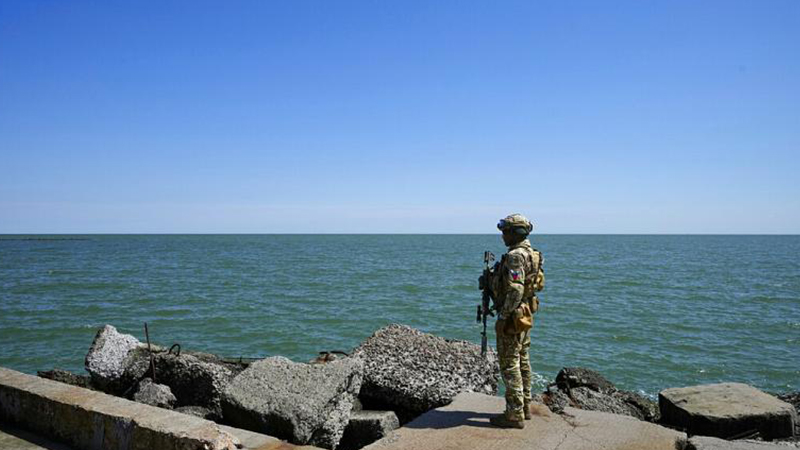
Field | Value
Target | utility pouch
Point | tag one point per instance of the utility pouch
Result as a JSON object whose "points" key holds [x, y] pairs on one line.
{"points": [[521, 320]]}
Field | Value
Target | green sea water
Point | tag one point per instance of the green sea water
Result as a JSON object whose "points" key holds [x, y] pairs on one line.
{"points": [[648, 312]]}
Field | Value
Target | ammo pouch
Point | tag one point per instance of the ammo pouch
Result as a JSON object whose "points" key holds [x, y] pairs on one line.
{"points": [[521, 320]]}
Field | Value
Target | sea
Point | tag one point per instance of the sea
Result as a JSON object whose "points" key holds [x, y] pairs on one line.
{"points": [[648, 312]]}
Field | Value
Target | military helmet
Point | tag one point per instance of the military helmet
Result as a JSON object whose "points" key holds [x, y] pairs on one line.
{"points": [[517, 222]]}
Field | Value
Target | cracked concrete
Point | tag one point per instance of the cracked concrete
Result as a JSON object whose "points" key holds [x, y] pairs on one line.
{"points": [[464, 425]]}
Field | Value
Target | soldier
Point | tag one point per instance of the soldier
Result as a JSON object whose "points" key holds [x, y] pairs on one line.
{"points": [[515, 281]]}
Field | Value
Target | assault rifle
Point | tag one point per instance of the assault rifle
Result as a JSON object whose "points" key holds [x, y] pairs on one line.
{"points": [[485, 285]]}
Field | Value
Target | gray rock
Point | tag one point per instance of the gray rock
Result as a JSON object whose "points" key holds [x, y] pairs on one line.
{"points": [[154, 394], [711, 443], [793, 398], [195, 380], [554, 399], [302, 403], [586, 389], [726, 410], [366, 427], [575, 377], [106, 360], [411, 372], [588, 399], [66, 377]]}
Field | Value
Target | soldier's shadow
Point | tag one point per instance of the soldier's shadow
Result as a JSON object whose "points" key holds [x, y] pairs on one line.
{"points": [[449, 419]]}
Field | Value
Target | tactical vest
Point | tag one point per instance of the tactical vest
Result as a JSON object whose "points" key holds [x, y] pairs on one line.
{"points": [[534, 276], [533, 281]]}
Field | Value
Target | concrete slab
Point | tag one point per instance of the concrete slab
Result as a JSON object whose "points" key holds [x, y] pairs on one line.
{"points": [[464, 425], [726, 410], [92, 420]]}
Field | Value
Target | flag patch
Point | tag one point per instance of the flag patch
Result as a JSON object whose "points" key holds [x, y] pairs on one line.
{"points": [[515, 276]]}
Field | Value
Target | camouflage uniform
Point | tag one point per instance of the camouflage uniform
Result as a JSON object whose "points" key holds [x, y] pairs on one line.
{"points": [[517, 278]]}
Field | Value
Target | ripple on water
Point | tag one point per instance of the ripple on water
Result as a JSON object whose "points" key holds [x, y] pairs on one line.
{"points": [[648, 312]]}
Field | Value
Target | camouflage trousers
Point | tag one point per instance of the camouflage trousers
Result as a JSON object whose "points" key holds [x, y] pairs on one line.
{"points": [[515, 367]]}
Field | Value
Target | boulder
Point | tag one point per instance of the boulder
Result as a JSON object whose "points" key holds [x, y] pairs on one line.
{"points": [[411, 372], [301, 403], [66, 377], [554, 399], [154, 394], [586, 389], [366, 427], [195, 380], [576, 377], [727, 410], [108, 358]]}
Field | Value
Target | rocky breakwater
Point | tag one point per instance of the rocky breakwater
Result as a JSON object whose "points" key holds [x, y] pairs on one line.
{"points": [[411, 372], [119, 363], [397, 374]]}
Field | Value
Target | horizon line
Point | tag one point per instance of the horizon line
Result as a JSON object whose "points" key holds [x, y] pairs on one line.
{"points": [[382, 234]]}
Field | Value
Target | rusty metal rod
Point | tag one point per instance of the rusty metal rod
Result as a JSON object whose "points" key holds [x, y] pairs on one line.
{"points": [[150, 351]]}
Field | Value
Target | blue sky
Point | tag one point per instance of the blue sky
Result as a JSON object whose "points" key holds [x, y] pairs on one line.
{"points": [[376, 117]]}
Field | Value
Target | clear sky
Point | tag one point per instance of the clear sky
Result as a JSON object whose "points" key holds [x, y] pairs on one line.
{"points": [[431, 116]]}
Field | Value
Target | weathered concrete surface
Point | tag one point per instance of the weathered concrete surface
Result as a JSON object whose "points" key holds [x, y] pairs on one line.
{"points": [[711, 443], [86, 419], [726, 410], [411, 372], [64, 376], [464, 425], [197, 411], [366, 427], [256, 441], [302, 403]]}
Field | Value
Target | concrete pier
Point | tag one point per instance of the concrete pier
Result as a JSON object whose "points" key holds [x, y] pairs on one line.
{"points": [[59, 416], [464, 425], [83, 419]]}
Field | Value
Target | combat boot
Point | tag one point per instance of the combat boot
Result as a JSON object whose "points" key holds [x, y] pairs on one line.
{"points": [[502, 421]]}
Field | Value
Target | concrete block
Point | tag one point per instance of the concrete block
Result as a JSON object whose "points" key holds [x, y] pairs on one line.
{"points": [[411, 372], [302, 403], [107, 359], [87, 419], [726, 410], [154, 394]]}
